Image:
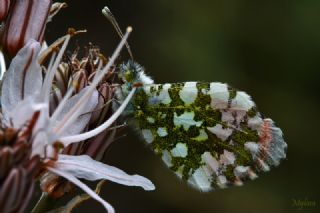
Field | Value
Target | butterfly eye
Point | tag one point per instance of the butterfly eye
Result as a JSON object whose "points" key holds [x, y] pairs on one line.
{"points": [[129, 76]]}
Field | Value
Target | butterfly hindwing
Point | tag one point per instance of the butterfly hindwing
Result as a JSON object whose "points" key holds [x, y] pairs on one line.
{"points": [[209, 134]]}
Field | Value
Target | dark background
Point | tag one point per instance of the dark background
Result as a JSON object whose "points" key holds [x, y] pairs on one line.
{"points": [[268, 48]]}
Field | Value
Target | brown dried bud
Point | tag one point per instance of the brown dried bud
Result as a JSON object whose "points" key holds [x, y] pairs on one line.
{"points": [[79, 80], [54, 185], [27, 20], [4, 9], [17, 169]]}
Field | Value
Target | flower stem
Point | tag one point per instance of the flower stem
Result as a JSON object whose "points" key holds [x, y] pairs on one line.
{"points": [[44, 204]]}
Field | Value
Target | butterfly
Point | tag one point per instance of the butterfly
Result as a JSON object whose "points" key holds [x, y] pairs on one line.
{"points": [[209, 134]]}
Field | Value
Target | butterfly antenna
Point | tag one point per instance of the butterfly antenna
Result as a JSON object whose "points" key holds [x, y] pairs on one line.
{"points": [[107, 13]]}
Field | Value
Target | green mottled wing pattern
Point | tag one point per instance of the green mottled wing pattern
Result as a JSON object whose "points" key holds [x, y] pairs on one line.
{"points": [[209, 134]]}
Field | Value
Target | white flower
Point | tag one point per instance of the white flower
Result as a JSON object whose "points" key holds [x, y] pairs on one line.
{"points": [[25, 92]]}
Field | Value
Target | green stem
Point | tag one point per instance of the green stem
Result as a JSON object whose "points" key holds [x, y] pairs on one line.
{"points": [[44, 204]]}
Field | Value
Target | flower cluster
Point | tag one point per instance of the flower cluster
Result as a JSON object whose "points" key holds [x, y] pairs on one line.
{"points": [[56, 114]]}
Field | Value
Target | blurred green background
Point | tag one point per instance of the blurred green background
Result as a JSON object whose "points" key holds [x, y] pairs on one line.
{"points": [[268, 48]]}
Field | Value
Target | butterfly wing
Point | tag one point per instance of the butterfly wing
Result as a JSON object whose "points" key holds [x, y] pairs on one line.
{"points": [[209, 134]]}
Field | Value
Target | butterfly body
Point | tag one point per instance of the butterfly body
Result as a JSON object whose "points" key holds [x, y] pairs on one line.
{"points": [[209, 134]]}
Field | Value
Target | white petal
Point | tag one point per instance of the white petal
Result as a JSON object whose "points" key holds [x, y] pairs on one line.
{"points": [[24, 111], [84, 187], [33, 78], [23, 78], [85, 167], [82, 121], [40, 145], [77, 138]]}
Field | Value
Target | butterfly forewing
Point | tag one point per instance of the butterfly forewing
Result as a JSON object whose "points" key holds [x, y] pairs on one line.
{"points": [[209, 134]]}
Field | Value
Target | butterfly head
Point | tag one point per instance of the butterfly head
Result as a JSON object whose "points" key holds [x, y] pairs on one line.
{"points": [[133, 73]]}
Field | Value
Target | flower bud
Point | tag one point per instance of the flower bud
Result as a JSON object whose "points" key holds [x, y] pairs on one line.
{"points": [[18, 169], [4, 8], [27, 20]]}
